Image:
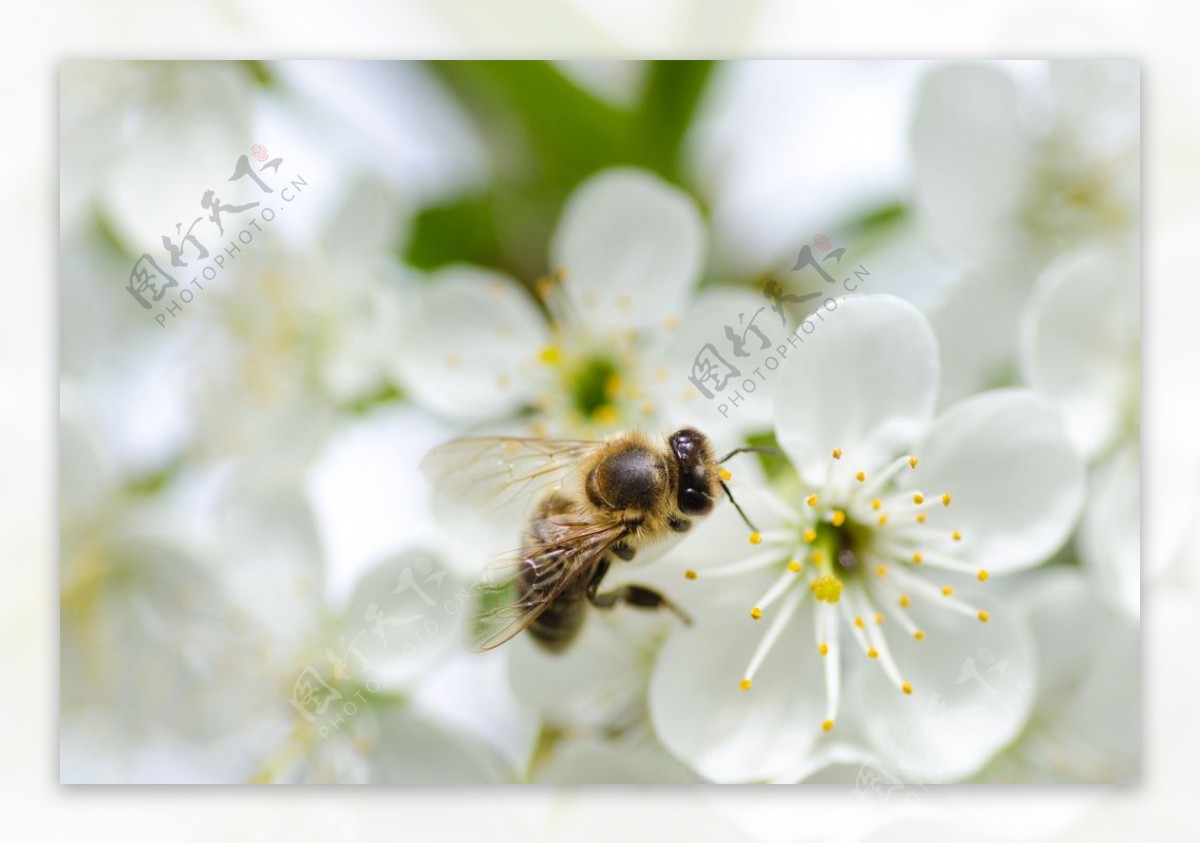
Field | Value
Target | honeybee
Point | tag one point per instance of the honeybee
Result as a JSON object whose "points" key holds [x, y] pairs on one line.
{"points": [[593, 501]]}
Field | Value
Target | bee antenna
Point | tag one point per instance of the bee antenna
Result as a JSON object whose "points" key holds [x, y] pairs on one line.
{"points": [[756, 449], [738, 507]]}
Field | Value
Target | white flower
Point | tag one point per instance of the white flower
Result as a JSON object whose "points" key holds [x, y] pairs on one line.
{"points": [[1005, 168], [620, 337], [1080, 346], [868, 564], [296, 334], [161, 660], [376, 694]]}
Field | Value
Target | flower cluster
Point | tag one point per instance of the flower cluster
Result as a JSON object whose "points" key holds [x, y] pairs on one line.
{"points": [[933, 559]]}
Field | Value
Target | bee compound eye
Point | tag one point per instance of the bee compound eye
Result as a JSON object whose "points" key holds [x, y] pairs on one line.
{"points": [[694, 502]]}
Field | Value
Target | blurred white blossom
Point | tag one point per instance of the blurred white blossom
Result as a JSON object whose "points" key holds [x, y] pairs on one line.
{"points": [[1081, 347], [618, 334]]}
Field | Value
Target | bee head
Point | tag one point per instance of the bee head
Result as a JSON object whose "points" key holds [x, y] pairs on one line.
{"points": [[694, 458]]}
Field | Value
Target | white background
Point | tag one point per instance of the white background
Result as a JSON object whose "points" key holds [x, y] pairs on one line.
{"points": [[34, 37]]}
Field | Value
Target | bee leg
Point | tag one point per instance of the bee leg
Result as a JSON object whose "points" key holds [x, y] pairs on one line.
{"points": [[641, 597]]}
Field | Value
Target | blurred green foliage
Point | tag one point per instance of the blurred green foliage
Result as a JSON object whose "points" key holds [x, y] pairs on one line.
{"points": [[546, 135]]}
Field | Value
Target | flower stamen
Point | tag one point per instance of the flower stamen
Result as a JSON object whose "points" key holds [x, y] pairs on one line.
{"points": [[771, 637]]}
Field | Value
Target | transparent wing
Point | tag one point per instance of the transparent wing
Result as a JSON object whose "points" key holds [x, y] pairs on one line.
{"points": [[515, 590], [494, 473]]}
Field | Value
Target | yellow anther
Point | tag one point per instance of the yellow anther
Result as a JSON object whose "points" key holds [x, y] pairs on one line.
{"points": [[605, 414], [817, 557], [881, 571], [920, 518], [745, 685], [550, 355], [872, 653], [726, 475], [690, 574], [879, 618], [824, 649], [858, 622], [918, 498], [837, 454], [839, 518], [827, 725], [876, 504], [918, 635], [983, 575], [883, 519], [956, 536], [860, 477], [756, 613], [810, 535], [906, 688], [916, 558], [945, 499], [612, 386], [912, 463], [827, 588], [904, 601], [947, 591], [811, 501], [755, 538], [983, 616], [794, 566]]}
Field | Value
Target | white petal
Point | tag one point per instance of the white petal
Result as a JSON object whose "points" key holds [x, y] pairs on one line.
{"points": [[632, 247], [976, 327], [367, 499], [470, 351], [471, 693], [1062, 608], [701, 334], [865, 381], [599, 680], [1080, 343], [973, 687], [386, 741], [416, 750], [592, 761], [1110, 532], [404, 615], [724, 733], [1015, 480], [970, 158]]}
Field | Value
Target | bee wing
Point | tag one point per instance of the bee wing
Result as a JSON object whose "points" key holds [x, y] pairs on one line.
{"points": [[493, 473], [505, 602]]}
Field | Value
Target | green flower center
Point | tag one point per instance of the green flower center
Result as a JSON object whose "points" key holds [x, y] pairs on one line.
{"points": [[592, 385]]}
